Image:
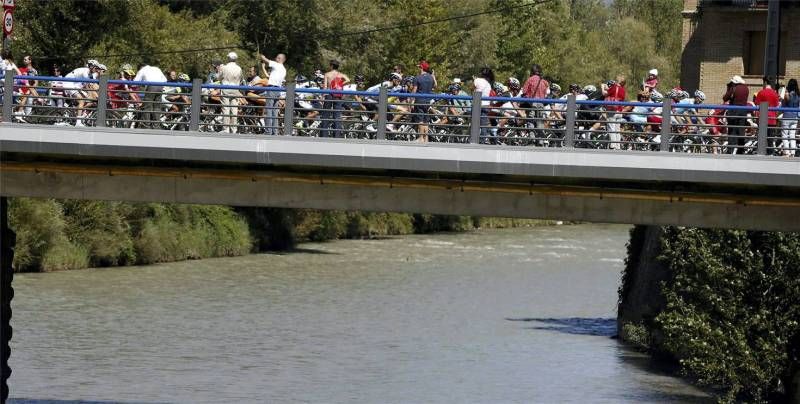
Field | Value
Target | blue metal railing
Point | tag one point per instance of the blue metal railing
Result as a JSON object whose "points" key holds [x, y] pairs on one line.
{"points": [[398, 115]]}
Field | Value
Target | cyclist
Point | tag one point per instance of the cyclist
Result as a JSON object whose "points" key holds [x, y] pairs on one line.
{"points": [[81, 92], [121, 94], [309, 103], [401, 105]]}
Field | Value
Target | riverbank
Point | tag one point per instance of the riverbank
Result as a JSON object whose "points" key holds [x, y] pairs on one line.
{"points": [[721, 303], [55, 235]]}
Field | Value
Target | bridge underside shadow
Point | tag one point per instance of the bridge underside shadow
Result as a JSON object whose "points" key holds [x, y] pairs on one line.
{"points": [[382, 193]]}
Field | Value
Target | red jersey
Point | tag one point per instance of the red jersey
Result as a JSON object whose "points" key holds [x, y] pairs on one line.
{"points": [[616, 93], [769, 96]]}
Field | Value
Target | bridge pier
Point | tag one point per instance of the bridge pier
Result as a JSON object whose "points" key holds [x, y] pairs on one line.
{"points": [[7, 240]]}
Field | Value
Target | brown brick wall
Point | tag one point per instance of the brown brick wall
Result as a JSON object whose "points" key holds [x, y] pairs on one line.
{"points": [[713, 42]]}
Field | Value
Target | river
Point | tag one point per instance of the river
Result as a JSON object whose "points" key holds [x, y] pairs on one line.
{"points": [[492, 316]]}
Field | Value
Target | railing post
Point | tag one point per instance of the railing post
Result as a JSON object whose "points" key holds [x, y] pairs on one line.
{"points": [[197, 105], [475, 121], [102, 102], [763, 128], [383, 107], [666, 124], [288, 111], [8, 96], [569, 125]]}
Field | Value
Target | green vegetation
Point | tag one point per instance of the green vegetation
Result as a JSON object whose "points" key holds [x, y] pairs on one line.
{"points": [[731, 314], [582, 41], [65, 234], [56, 235]]}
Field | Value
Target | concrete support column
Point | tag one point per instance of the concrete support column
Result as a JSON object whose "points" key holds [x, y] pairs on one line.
{"points": [[7, 240]]}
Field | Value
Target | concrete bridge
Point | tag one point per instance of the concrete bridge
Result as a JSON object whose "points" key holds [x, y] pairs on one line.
{"points": [[635, 187]]}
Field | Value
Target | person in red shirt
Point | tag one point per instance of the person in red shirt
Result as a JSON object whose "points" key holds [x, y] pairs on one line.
{"points": [[536, 87], [614, 90], [770, 96]]}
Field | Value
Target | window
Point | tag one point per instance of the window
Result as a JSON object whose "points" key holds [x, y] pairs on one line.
{"points": [[754, 52]]}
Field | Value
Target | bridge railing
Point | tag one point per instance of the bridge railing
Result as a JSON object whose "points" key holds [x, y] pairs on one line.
{"points": [[299, 110]]}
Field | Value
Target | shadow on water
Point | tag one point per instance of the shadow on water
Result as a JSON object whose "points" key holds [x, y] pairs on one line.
{"points": [[607, 327], [601, 327]]}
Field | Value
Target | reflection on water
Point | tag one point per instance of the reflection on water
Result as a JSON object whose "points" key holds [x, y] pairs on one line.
{"points": [[521, 315]]}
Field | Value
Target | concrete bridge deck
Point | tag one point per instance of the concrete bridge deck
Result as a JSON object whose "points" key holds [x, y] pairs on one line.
{"points": [[727, 191]]}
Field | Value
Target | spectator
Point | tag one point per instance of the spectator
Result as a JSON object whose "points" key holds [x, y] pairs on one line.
{"points": [[213, 72], [27, 89], [230, 74], [424, 85], [151, 108], [614, 91], [483, 84], [770, 96], [791, 99], [738, 95], [332, 116], [536, 87], [651, 82], [276, 77]]}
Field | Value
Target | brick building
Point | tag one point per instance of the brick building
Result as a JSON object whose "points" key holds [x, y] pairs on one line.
{"points": [[723, 38]]}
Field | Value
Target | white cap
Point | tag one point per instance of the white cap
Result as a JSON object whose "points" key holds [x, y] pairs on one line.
{"points": [[456, 80], [232, 56], [737, 80], [654, 72]]}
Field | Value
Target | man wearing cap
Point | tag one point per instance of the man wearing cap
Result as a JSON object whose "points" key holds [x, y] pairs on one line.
{"points": [[737, 94], [424, 84], [277, 75], [230, 74]]}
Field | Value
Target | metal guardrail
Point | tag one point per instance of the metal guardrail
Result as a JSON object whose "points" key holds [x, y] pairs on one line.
{"points": [[393, 114]]}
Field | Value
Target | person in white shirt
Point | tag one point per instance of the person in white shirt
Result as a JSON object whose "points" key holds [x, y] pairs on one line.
{"points": [[230, 74], [151, 110], [277, 75]]}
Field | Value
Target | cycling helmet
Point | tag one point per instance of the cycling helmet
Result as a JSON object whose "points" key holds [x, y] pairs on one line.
{"points": [[674, 94], [589, 90], [102, 67], [574, 87], [359, 78], [92, 63], [513, 83], [610, 83], [454, 87], [700, 95], [319, 77], [685, 95], [409, 80], [184, 78], [655, 96], [555, 88], [128, 69], [395, 76], [300, 78], [499, 88]]}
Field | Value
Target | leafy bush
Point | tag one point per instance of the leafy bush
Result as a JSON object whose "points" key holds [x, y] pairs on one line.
{"points": [[732, 308]]}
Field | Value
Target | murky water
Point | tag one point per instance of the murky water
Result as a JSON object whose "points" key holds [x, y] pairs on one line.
{"points": [[497, 316]]}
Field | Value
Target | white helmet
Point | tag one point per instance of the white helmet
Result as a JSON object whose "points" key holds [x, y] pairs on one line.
{"points": [[654, 72], [232, 56], [92, 63]]}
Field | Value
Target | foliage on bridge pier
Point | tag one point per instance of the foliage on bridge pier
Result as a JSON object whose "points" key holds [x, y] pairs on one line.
{"points": [[731, 315]]}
